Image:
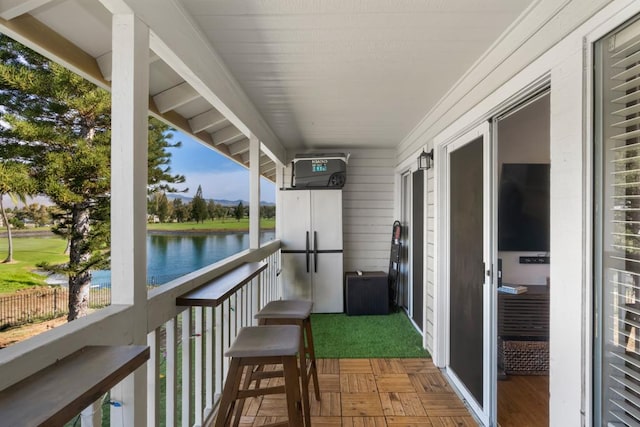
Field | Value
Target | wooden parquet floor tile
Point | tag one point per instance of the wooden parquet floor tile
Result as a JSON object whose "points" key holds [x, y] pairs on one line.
{"points": [[358, 383], [372, 393], [387, 366], [355, 366]]}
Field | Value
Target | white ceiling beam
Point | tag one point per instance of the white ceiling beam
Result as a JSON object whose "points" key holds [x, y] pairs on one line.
{"points": [[181, 44], [239, 147], [228, 135], [175, 97], [264, 159], [105, 63], [207, 120], [267, 169], [245, 158], [10, 9]]}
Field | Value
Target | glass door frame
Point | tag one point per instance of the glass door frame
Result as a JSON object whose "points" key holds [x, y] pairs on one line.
{"points": [[486, 411]]}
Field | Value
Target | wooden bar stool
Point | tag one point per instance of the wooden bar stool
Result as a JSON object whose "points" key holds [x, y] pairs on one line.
{"points": [[296, 312], [256, 346]]}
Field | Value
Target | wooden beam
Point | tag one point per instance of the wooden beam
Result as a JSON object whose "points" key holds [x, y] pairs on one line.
{"points": [[175, 97], [208, 120], [105, 62], [10, 9], [239, 147], [34, 34], [183, 47], [227, 136], [267, 169]]}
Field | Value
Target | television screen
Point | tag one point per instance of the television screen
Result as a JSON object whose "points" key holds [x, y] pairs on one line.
{"points": [[523, 207]]}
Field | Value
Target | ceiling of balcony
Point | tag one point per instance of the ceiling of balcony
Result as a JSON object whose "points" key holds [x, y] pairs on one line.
{"points": [[317, 73]]}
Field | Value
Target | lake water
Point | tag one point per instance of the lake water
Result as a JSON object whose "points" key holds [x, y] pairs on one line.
{"points": [[173, 255]]}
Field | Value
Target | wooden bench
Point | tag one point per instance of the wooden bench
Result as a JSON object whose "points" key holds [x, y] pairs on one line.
{"points": [[59, 392], [214, 293]]}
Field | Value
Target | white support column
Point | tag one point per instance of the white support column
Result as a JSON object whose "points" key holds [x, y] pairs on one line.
{"points": [[279, 185], [254, 192], [129, 112]]}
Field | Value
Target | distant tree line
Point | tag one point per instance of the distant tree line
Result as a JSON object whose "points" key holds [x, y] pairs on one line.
{"points": [[34, 213], [161, 209]]}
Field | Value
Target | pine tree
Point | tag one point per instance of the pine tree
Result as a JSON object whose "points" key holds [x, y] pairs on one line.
{"points": [[59, 125], [239, 212], [211, 209], [163, 207], [179, 210], [199, 206]]}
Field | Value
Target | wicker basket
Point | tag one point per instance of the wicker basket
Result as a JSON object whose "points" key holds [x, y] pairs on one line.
{"points": [[517, 357]]}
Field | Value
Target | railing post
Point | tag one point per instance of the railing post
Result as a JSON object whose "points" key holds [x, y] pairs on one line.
{"points": [[171, 372], [198, 359], [153, 383], [209, 355], [186, 367], [91, 416]]}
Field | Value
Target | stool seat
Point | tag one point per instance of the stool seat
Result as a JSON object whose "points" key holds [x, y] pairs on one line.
{"points": [[254, 347], [264, 341], [286, 309], [296, 312]]}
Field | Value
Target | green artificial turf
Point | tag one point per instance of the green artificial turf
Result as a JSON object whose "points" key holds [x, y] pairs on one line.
{"points": [[342, 336]]}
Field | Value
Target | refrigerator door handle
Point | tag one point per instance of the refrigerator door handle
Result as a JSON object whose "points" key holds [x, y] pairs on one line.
{"points": [[307, 252], [315, 251]]}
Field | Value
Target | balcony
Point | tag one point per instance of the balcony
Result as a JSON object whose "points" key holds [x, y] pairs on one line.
{"points": [[354, 391]]}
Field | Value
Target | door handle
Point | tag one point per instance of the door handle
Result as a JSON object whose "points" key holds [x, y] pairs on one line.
{"points": [[307, 252], [315, 251]]}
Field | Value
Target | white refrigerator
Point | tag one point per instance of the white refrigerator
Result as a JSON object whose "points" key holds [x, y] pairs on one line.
{"points": [[311, 235]]}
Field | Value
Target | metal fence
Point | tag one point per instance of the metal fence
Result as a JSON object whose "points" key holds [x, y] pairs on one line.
{"points": [[45, 303]]}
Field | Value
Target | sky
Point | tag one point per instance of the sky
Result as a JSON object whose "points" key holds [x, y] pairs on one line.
{"points": [[219, 177]]}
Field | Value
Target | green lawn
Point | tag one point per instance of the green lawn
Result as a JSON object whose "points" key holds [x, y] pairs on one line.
{"points": [[27, 252], [212, 225]]}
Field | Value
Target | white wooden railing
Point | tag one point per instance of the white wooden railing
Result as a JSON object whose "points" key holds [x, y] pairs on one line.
{"points": [[193, 375], [201, 366]]}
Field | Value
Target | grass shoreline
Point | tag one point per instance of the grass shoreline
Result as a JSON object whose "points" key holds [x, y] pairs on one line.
{"points": [[32, 246]]}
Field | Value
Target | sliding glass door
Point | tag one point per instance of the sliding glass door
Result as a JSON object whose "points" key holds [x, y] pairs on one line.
{"points": [[469, 356]]}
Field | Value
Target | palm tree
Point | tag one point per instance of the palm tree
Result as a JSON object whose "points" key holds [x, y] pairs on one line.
{"points": [[17, 184]]}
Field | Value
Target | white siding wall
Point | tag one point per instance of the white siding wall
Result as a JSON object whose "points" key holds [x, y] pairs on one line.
{"points": [[368, 206], [553, 51], [368, 210]]}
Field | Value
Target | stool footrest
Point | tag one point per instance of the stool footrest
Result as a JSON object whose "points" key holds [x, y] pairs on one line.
{"points": [[243, 394], [261, 375]]}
